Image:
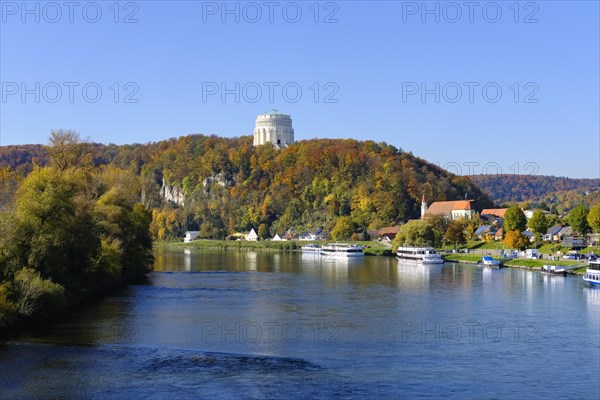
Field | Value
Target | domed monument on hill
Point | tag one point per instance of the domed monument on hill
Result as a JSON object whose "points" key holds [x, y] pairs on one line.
{"points": [[275, 128]]}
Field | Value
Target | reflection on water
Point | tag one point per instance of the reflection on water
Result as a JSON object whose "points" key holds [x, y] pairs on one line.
{"points": [[212, 324], [415, 276]]}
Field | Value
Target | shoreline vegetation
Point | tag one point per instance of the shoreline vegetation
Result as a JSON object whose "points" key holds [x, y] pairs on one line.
{"points": [[371, 248], [375, 248], [70, 233]]}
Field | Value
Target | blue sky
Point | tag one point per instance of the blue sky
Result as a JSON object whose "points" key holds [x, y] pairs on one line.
{"points": [[486, 87]]}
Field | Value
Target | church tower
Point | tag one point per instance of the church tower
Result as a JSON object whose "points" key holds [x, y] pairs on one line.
{"points": [[275, 128], [423, 206]]}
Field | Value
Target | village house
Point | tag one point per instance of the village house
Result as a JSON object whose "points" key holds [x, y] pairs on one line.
{"points": [[319, 234], [529, 213], [278, 237], [494, 216], [290, 236], [529, 235], [305, 236], [252, 236], [551, 234], [485, 230], [389, 233], [191, 235], [498, 235], [494, 212]]}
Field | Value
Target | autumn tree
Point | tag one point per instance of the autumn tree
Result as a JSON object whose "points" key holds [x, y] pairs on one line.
{"points": [[593, 218], [514, 219], [455, 233], [516, 240], [578, 220], [66, 149], [263, 232], [343, 229]]}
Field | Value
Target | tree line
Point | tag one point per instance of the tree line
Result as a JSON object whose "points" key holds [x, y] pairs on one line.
{"points": [[69, 232]]}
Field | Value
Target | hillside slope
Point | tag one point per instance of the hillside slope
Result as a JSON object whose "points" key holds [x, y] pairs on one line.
{"points": [[221, 185], [519, 188]]}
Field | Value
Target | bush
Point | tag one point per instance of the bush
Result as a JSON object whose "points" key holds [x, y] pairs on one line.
{"points": [[35, 295], [6, 308]]}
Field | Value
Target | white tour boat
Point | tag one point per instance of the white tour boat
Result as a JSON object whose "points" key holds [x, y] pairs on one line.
{"points": [[342, 250], [311, 249], [592, 273], [422, 255]]}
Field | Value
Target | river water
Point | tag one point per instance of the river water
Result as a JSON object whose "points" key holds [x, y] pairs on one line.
{"points": [[237, 324]]}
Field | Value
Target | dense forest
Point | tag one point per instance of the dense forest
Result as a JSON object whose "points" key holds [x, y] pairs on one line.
{"points": [[224, 185], [69, 232], [551, 192]]}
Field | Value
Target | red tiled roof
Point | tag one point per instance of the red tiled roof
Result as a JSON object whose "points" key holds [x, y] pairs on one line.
{"points": [[498, 212], [446, 207], [389, 230]]}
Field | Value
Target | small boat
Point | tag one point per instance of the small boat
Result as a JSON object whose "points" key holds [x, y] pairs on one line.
{"points": [[554, 270], [311, 249], [342, 250], [488, 261], [592, 273], [421, 255]]}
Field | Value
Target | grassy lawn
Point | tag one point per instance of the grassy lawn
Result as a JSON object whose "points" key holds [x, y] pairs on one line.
{"points": [[232, 244], [536, 264], [475, 244], [591, 249], [371, 247], [471, 257]]}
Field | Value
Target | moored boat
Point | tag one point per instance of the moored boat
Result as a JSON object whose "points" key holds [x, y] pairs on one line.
{"points": [[342, 250], [421, 255], [311, 249], [592, 273], [554, 270], [488, 261]]}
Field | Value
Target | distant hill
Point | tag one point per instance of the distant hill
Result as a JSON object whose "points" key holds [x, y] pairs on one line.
{"points": [[221, 185], [563, 193]]}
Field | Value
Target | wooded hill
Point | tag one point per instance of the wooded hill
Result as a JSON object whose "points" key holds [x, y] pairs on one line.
{"points": [[551, 192], [222, 185]]}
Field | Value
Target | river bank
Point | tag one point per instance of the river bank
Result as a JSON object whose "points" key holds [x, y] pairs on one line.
{"points": [[371, 248], [532, 265]]}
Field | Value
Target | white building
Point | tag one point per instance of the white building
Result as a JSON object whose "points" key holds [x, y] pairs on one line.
{"points": [[191, 235], [452, 210], [275, 128], [252, 236]]}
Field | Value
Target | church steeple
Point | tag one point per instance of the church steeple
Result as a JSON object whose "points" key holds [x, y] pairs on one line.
{"points": [[423, 206]]}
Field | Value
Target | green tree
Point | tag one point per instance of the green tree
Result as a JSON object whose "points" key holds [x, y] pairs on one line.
{"points": [[552, 219], [538, 224], [514, 219], [578, 220], [343, 229], [416, 233], [35, 295], [53, 227], [593, 218], [455, 234]]}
